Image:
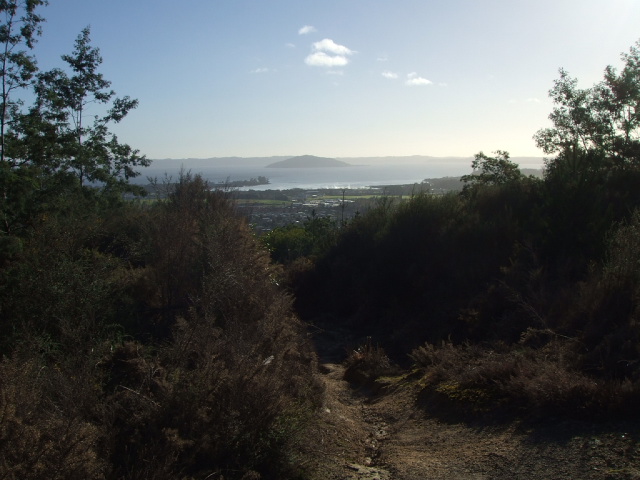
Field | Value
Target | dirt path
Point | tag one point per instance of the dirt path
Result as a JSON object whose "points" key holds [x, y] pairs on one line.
{"points": [[349, 434], [360, 437]]}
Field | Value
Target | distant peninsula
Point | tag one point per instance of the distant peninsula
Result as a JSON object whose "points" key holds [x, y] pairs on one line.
{"points": [[252, 182], [308, 161]]}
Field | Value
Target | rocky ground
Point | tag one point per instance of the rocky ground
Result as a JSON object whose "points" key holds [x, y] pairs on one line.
{"points": [[362, 435]]}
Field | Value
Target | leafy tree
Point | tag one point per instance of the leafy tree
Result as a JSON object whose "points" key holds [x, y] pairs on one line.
{"points": [[592, 181], [58, 135], [19, 30], [498, 170], [56, 147], [604, 118], [288, 243], [291, 242]]}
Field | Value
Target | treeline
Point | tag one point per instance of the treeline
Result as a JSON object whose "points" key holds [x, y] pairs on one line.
{"points": [[517, 291], [252, 182], [162, 188], [137, 340]]}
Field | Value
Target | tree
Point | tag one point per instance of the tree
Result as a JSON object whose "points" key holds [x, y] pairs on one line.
{"points": [[20, 28], [617, 105], [603, 119], [58, 135], [498, 170]]}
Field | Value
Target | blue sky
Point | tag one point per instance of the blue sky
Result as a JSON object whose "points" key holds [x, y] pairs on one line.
{"points": [[340, 78]]}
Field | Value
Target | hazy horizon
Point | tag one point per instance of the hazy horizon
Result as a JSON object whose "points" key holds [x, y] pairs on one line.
{"points": [[360, 171]]}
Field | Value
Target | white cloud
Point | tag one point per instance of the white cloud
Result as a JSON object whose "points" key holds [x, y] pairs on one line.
{"points": [[329, 46], [289, 45], [321, 59], [382, 58], [339, 73], [533, 100], [414, 80], [443, 84], [260, 70], [306, 30], [327, 53], [390, 75]]}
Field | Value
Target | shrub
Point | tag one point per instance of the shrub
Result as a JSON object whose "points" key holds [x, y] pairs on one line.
{"points": [[524, 380], [164, 349], [366, 363], [38, 439]]}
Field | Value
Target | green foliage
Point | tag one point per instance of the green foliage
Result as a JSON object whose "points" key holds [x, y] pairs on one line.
{"points": [[292, 242], [603, 119], [583, 198], [19, 31], [488, 171], [88, 152], [288, 243], [402, 274], [51, 150]]}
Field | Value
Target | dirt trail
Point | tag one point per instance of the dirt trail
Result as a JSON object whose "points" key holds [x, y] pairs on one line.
{"points": [[349, 434], [386, 437]]}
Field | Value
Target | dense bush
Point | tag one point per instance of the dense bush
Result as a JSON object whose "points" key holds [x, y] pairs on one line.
{"points": [[150, 341], [404, 273], [490, 266], [538, 376]]}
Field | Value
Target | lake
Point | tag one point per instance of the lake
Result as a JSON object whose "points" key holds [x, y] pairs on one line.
{"points": [[356, 176]]}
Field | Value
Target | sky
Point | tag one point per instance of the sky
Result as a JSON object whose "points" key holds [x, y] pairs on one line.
{"points": [[340, 78]]}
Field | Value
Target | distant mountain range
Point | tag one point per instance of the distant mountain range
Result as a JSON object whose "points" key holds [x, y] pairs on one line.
{"points": [[309, 161]]}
